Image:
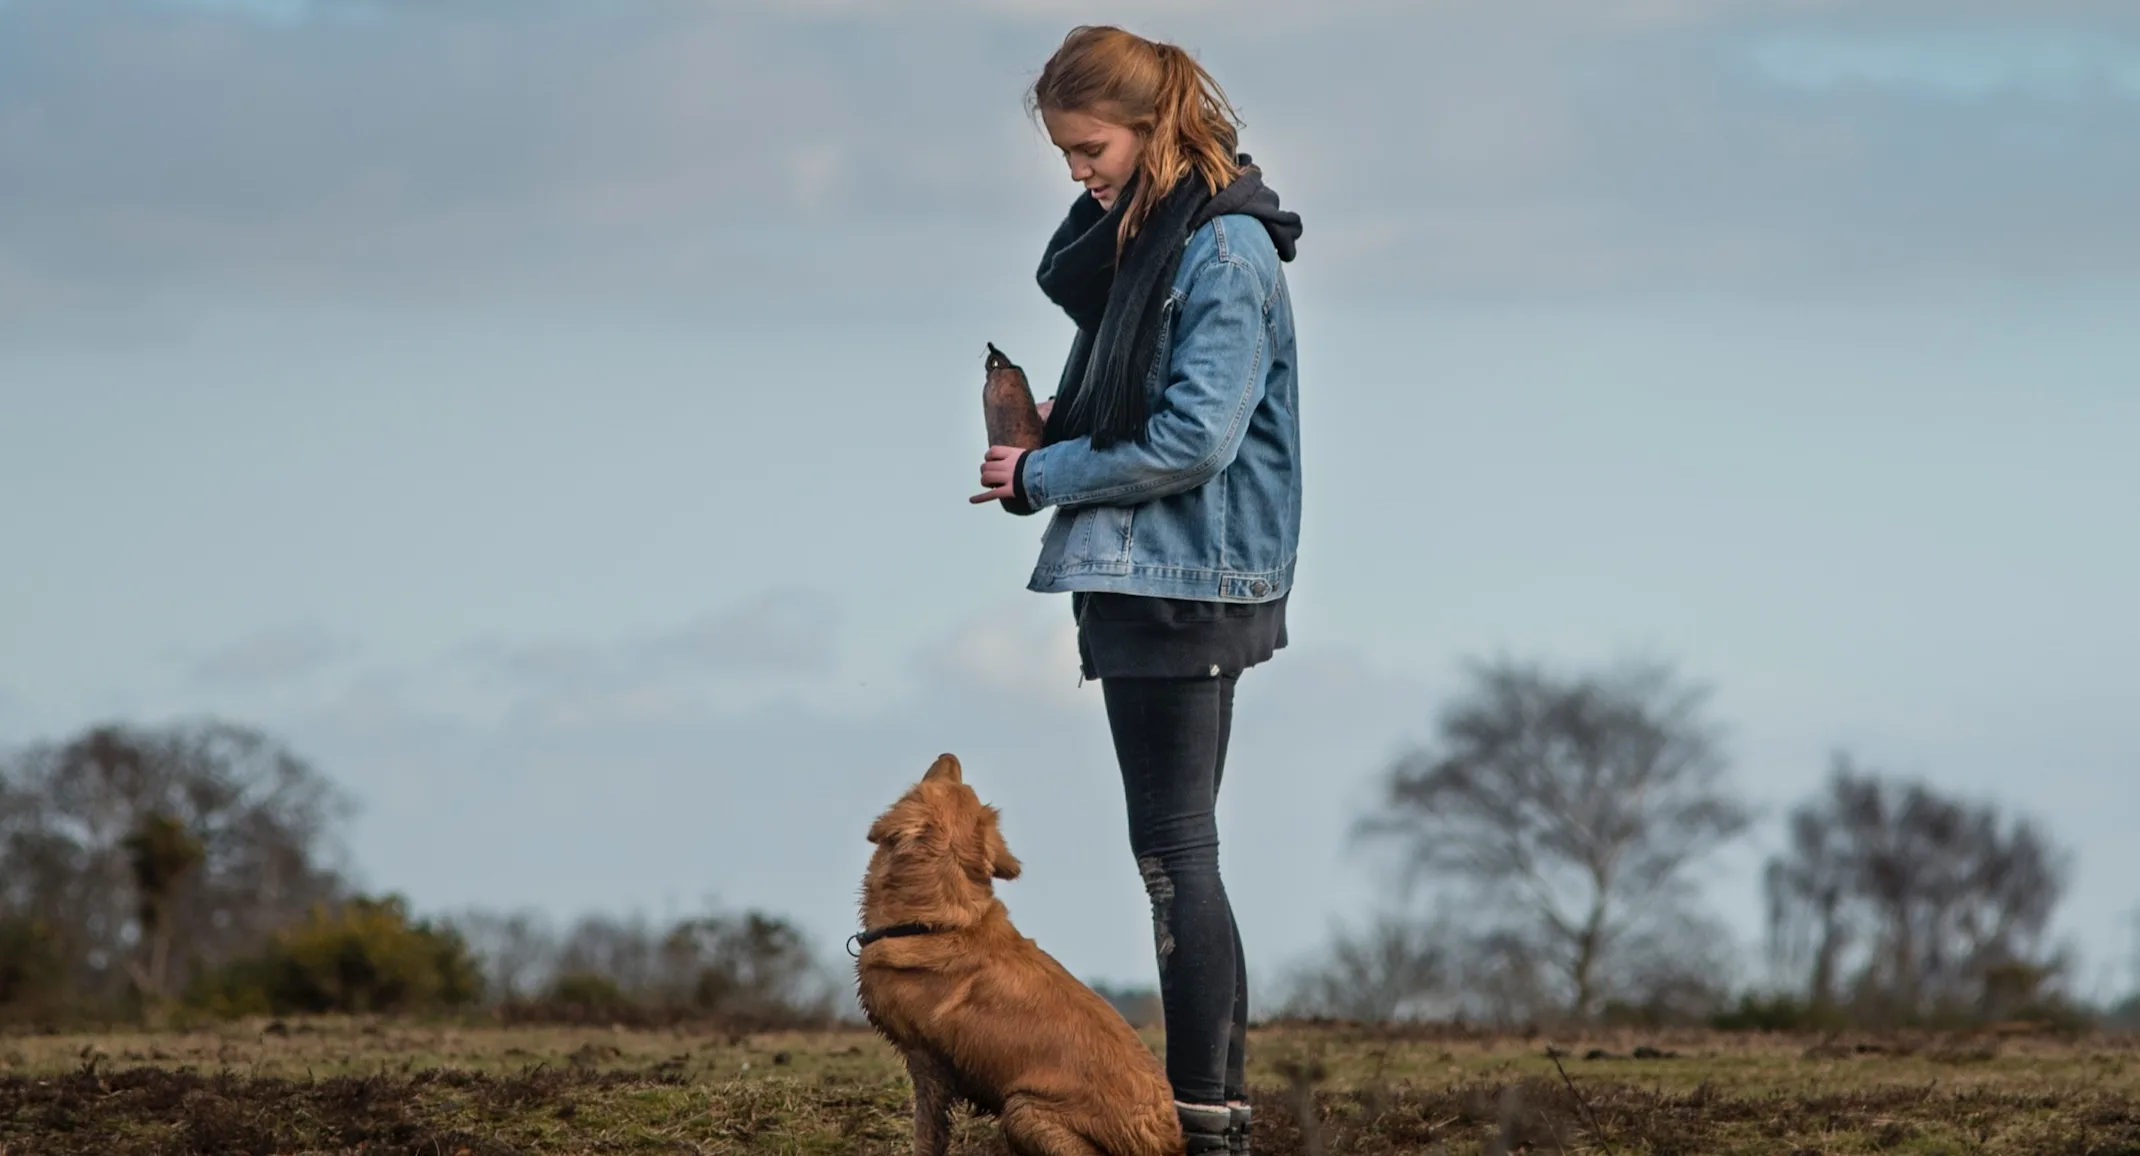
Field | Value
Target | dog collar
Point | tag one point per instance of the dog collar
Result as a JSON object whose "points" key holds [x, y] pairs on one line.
{"points": [[856, 942]]}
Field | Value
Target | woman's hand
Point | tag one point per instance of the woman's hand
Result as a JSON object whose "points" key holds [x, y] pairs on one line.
{"points": [[998, 469]]}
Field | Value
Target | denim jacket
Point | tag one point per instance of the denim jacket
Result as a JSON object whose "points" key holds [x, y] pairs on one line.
{"points": [[1208, 506]]}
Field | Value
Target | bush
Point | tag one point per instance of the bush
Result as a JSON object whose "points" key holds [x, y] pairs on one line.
{"points": [[33, 968], [363, 955], [1778, 1013], [587, 990], [755, 968], [751, 971], [1141, 1006]]}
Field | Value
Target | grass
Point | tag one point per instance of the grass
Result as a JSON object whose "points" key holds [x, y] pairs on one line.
{"points": [[262, 1087]]}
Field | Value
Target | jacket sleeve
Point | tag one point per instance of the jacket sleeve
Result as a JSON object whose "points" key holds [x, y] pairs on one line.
{"points": [[1215, 371]]}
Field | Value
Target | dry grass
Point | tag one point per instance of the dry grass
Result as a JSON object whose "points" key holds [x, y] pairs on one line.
{"points": [[345, 1086]]}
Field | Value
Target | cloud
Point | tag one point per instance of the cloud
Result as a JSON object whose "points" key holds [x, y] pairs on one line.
{"points": [[1956, 67], [1009, 652], [16, 722], [276, 11], [780, 632], [566, 797], [706, 759], [780, 643], [277, 655], [757, 155]]}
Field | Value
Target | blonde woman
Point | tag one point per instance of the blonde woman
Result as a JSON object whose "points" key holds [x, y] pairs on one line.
{"points": [[1172, 459]]}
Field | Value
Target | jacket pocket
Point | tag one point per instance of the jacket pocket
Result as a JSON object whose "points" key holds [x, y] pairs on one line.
{"points": [[1089, 540]]}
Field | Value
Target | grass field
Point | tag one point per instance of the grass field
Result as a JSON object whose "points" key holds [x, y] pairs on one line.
{"points": [[353, 1086]]}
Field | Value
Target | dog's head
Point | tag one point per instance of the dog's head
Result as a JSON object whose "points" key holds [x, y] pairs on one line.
{"points": [[941, 822]]}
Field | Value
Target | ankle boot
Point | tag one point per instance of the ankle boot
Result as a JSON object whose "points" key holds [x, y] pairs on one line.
{"points": [[1237, 1130], [1206, 1129]]}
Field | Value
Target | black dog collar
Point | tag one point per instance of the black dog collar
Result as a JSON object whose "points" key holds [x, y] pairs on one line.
{"points": [[855, 943]]}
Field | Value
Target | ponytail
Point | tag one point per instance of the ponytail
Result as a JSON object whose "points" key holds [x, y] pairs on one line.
{"points": [[1157, 89]]}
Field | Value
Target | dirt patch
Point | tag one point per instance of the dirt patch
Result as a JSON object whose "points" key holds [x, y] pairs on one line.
{"points": [[152, 1111], [465, 1090]]}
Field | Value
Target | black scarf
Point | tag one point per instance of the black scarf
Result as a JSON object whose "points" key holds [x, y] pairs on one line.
{"points": [[1117, 308]]}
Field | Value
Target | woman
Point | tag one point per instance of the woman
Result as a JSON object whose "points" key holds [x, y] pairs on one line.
{"points": [[1171, 455]]}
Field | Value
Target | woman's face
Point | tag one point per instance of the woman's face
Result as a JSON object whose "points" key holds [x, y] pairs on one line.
{"points": [[1102, 155]]}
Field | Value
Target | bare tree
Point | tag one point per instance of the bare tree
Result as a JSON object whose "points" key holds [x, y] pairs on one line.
{"points": [[623, 950], [1808, 889], [2133, 961], [1915, 902], [150, 852], [161, 852], [751, 966], [2125, 1014], [1396, 969], [517, 950], [1572, 807], [747, 966]]}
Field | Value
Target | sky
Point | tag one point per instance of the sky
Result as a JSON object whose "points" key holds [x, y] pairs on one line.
{"points": [[555, 421]]}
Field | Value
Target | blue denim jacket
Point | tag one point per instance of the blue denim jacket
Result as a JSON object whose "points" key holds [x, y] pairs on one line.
{"points": [[1208, 507]]}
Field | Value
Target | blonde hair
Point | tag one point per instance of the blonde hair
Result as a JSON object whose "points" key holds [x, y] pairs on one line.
{"points": [[1154, 88]]}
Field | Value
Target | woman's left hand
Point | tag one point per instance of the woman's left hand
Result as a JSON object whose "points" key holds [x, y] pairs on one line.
{"points": [[997, 471]]}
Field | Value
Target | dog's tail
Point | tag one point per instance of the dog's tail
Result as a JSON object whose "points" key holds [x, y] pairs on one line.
{"points": [[1154, 1132]]}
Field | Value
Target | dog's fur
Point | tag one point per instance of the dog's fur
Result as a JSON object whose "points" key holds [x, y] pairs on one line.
{"points": [[979, 1011]]}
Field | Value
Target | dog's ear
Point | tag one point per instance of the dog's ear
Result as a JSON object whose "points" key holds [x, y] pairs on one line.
{"points": [[1001, 863], [945, 767], [896, 823]]}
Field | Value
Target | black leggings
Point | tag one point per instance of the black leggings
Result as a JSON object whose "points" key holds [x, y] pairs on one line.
{"points": [[1170, 739]]}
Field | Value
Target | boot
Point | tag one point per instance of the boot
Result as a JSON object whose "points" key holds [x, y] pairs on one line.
{"points": [[1206, 1129], [1237, 1131]]}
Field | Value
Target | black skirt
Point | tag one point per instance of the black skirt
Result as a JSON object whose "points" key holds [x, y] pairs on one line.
{"points": [[1139, 636]]}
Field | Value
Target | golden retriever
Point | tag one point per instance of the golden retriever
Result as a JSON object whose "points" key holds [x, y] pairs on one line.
{"points": [[980, 1012]]}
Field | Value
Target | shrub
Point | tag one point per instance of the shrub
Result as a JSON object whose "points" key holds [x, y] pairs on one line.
{"points": [[754, 968], [363, 955], [751, 971], [1777, 1013], [33, 968], [585, 989]]}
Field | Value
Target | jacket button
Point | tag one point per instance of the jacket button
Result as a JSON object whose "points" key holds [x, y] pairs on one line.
{"points": [[1214, 670], [1258, 587]]}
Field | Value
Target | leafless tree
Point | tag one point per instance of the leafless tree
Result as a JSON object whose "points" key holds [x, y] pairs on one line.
{"points": [[1906, 902], [1810, 888], [623, 949], [2133, 961], [1395, 969], [2125, 1014], [1572, 809], [750, 966], [161, 852], [517, 950], [747, 966], [151, 851]]}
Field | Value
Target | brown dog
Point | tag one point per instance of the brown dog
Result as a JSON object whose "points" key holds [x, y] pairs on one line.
{"points": [[979, 1011]]}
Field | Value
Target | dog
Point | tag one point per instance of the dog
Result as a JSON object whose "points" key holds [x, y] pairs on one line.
{"points": [[978, 1011]]}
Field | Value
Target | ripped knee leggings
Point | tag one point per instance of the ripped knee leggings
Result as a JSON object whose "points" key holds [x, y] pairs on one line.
{"points": [[1170, 741]]}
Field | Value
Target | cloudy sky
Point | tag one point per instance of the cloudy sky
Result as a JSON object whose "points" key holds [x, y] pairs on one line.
{"points": [[555, 420]]}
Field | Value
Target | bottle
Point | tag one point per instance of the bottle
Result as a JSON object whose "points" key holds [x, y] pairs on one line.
{"points": [[1007, 404]]}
